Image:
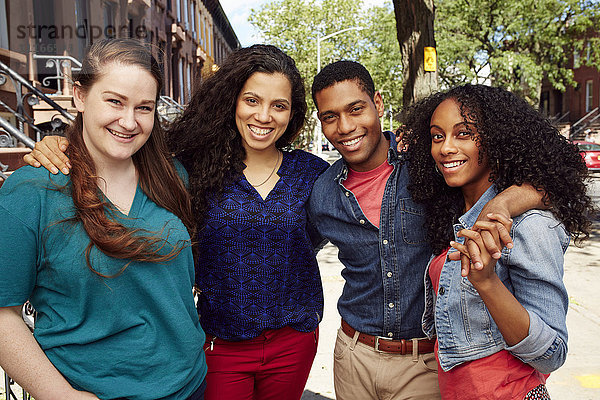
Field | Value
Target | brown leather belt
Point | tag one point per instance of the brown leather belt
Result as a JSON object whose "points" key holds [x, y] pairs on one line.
{"points": [[380, 343]]}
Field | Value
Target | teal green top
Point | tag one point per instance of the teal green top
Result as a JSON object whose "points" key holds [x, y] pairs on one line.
{"points": [[136, 335]]}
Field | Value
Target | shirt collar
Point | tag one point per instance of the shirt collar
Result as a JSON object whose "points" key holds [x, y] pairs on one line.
{"points": [[393, 157], [467, 220]]}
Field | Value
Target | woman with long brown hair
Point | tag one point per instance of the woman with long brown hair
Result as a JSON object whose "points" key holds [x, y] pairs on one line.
{"points": [[261, 297], [103, 254]]}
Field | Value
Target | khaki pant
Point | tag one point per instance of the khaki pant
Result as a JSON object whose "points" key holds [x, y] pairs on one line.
{"points": [[361, 373]]}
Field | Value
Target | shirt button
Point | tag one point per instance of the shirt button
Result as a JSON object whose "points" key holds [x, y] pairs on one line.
{"points": [[347, 194], [385, 241], [389, 274], [442, 291], [391, 305], [390, 334], [362, 221]]}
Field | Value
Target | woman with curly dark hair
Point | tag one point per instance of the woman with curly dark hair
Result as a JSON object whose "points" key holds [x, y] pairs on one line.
{"points": [[261, 296], [501, 325], [260, 292]]}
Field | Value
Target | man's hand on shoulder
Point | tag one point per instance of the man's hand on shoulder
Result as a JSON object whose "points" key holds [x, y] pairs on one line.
{"points": [[494, 224]]}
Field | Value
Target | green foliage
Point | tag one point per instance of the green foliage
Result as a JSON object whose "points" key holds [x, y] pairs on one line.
{"points": [[293, 26], [381, 55], [514, 43]]}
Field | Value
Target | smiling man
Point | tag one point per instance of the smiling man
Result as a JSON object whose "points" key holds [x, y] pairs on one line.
{"points": [[362, 205]]}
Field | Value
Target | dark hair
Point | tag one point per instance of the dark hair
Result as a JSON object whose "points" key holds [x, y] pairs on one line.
{"points": [[157, 175], [206, 140], [340, 71], [521, 146]]}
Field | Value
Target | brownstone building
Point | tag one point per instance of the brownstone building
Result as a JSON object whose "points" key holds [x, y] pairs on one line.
{"points": [[578, 108], [41, 41]]}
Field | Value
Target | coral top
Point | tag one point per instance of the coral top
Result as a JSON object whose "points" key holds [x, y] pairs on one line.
{"points": [[368, 187], [498, 376]]}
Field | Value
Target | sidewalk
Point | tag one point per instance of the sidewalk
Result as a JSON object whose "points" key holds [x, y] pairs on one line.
{"points": [[579, 377]]}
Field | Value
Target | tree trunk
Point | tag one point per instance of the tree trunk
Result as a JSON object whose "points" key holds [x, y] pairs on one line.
{"points": [[414, 24]]}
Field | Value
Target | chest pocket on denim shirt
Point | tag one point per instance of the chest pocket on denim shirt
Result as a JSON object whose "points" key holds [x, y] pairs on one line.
{"points": [[413, 221], [476, 319]]}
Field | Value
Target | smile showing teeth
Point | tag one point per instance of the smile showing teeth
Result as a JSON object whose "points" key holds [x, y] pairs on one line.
{"points": [[352, 142], [453, 164], [261, 131], [117, 134]]}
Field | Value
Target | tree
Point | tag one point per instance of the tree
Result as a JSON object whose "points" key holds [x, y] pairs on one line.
{"points": [[414, 24], [514, 43], [381, 55], [293, 26]]}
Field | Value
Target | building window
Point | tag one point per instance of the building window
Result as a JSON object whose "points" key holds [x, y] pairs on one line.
{"points": [[189, 82], [588, 51], [576, 60], [178, 10], [3, 26], [194, 19], [545, 103], [589, 95], [185, 14], [109, 18], [181, 82], [162, 46]]}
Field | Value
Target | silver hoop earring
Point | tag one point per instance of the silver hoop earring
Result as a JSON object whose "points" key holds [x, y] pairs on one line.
{"points": [[437, 170]]}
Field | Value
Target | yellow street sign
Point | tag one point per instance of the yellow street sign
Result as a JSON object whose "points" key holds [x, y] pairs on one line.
{"points": [[430, 59]]}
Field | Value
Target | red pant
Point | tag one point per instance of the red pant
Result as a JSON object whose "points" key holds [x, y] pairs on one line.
{"points": [[274, 365]]}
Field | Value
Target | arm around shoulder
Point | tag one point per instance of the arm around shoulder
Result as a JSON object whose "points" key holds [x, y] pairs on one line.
{"points": [[515, 200]]}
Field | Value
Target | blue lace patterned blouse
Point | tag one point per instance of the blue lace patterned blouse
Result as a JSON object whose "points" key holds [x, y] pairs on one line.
{"points": [[257, 268]]}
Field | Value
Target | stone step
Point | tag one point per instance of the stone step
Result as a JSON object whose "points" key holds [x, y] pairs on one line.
{"points": [[7, 173], [13, 156], [43, 112]]}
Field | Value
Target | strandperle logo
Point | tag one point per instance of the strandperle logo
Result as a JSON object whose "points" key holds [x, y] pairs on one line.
{"points": [[81, 31]]}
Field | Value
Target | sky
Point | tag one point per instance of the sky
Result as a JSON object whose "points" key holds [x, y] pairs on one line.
{"points": [[238, 17]]}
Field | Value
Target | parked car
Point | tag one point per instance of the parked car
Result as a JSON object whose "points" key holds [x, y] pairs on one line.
{"points": [[591, 154]]}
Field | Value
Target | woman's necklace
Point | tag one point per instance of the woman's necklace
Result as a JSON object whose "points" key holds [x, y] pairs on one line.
{"points": [[272, 172]]}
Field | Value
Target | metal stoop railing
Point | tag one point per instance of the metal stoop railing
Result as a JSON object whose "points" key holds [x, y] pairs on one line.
{"points": [[578, 128], [168, 110], [33, 96], [61, 64]]}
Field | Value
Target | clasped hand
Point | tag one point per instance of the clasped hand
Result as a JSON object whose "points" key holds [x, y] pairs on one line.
{"points": [[482, 246]]}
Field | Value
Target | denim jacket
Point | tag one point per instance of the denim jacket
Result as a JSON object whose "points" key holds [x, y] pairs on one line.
{"points": [[532, 271], [383, 267]]}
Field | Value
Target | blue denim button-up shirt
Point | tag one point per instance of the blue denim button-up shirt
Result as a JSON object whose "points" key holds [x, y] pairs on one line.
{"points": [[533, 272], [383, 267]]}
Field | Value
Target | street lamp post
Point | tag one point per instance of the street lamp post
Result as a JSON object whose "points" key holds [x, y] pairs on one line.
{"points": [[319, 40]]}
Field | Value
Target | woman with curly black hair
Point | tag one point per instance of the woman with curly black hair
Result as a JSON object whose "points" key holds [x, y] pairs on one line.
{"points": [[261, 297], [260, 292], [501, 325]]}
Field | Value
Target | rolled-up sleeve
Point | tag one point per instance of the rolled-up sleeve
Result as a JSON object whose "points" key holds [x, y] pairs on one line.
{"points": [[536, 273]]}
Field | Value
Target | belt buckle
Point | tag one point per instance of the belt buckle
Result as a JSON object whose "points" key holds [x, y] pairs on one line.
{"points": [[377, 339]]}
